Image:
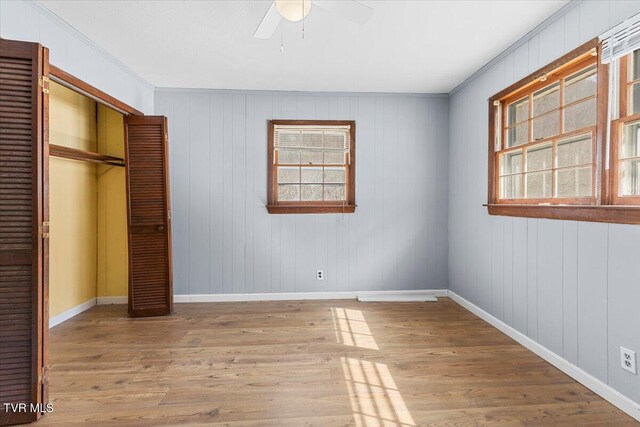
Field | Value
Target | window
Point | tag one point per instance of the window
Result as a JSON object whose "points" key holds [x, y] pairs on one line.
{"points": [[625, 141], [549, 134], [311, 166], [555, 149]]}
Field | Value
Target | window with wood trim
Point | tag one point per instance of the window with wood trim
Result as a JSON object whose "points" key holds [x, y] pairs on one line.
{"points": [[625, 135], [311, 166], [546, 147]]}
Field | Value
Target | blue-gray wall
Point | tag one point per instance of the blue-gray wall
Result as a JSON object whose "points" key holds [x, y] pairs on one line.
{"points": [[73, 52], [224, 240], [573, 287]]}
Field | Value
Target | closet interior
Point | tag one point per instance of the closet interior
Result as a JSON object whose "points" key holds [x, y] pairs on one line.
{"points": [[88, 258]]}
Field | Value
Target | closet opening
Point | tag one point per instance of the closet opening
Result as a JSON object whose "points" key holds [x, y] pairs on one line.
{"points": [[88, 248]]}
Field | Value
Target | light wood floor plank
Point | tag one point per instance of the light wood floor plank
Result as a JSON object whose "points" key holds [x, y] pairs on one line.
{"points": [[320, 363]]}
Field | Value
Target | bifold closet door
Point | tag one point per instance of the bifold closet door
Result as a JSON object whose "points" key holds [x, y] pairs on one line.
{"points": [[23, 231], [150, 269]]}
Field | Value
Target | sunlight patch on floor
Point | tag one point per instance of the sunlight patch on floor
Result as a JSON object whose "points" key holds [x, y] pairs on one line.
{"points": [[375, 399], [352, 329]]}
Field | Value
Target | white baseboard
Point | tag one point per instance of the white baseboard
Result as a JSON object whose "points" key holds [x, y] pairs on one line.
{"points": [[603, 390], [112, 300], [292, 296], [66, 315]]}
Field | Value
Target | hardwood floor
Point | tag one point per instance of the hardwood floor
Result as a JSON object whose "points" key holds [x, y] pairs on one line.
{"points": [[321, 363]]}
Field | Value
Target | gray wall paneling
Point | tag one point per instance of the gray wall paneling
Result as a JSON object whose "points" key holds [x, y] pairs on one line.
{"points": [[572, 287]]}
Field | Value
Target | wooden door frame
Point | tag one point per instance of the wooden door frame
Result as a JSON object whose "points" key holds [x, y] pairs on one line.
{"points": [[70, 81]]}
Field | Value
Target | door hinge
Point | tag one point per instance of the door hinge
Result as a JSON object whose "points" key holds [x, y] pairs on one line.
{"points": [[44, 229], [43, 377], [44, 84]]}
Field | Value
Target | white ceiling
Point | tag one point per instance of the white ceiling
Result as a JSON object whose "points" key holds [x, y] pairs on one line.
{"points": [[408, 46]]}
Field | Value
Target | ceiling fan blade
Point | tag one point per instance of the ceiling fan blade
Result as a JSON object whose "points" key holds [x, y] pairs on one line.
{"points": [[350, 9], [268, 24]]}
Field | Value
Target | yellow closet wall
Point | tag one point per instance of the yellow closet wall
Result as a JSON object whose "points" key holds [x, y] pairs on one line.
{"points": [[112, 208], [73, 202]]}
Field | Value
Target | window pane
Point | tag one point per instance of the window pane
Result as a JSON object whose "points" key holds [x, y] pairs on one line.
{"points": [[580, 115], [518, 135], [511, 163], [334, 175], [511, 187], [574, 151], [630, 141], [580, 85], [308, 157], [289, 157], [312, 175], [288, 193], [635, 65], [334, 157], [288, 175], [312, 139], [289, 138], [518, 111], [630, 177], [546, 99], [546, 126], [334, 140], [635, 98], [574, 182], [334, 192], [311, 193], [539, 157], [538, 185]]}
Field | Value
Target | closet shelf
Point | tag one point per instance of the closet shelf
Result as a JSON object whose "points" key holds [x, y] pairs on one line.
{"points": [[87, 156]]}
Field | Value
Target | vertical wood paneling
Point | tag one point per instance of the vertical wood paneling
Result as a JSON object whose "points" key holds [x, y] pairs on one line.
{"points": [[550, 285], [226, 242], [180, 161], [592, 298], [440, 204], [570, 290], [559, 277], [507, 300], [199, 191], [238, 223], [216, 187], [262, 254], [227, 194], [426, 160], [623, 295], [497, 267]]}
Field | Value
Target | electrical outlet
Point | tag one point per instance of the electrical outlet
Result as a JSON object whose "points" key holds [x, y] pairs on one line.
{"points": [[628, 360], [320, 275]]}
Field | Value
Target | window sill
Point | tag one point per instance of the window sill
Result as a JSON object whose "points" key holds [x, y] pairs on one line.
{"points": [[614, 214], [310, 209]]}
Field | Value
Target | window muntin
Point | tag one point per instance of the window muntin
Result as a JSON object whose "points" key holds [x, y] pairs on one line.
{"points": [[625, 141], [313, 165], [548, 154], [633, 84], [316, 163], [629, 160]]}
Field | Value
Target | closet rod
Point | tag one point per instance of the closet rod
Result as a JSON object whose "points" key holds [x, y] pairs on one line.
{"points": [[87, 156]]}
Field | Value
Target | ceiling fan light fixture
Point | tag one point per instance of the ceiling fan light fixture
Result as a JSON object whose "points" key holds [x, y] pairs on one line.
{"points": [[293, 10]]}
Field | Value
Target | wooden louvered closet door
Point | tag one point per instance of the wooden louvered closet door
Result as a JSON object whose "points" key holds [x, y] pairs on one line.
{"points": [[23, 311], [150, 271]]}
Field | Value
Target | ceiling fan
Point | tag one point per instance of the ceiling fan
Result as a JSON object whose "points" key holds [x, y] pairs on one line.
{"points": [[297, 10]]}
